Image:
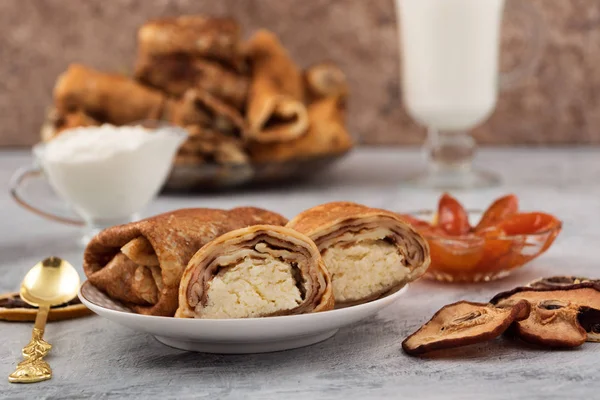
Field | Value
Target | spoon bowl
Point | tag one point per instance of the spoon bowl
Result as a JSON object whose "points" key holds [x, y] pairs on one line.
{"points": [[50, 282]]}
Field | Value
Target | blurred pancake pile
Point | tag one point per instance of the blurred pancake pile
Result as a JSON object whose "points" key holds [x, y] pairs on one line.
{"points": [[242, 102]]}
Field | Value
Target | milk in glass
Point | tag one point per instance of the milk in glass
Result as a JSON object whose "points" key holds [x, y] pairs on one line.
{"points": [[450, 60]]}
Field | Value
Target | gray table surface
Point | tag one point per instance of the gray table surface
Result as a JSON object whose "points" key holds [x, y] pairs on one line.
{"points": [[95, 358]]}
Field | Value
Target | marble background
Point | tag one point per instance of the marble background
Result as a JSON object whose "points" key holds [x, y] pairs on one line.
{"points": [[558, 104]]}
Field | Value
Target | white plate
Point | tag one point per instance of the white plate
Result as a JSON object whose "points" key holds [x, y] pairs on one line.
{"points": [[235, 336]]}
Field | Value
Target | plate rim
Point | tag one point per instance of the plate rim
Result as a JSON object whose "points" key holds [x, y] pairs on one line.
{"points": [[389, 299]]}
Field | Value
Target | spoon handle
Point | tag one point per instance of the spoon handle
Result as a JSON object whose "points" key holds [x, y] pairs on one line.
{"points": [[34, 368], [40, 320]]}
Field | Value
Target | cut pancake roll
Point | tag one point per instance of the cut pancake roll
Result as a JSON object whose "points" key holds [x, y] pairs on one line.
{"points": [[369, 252], [140, 264], [258, 271]]}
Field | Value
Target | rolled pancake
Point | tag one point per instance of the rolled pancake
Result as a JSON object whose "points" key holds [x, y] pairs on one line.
{"points": [[369, 252], [257, 271], [56, 123], [193, 35], [326, 135], [110, 98], [215, 146], [174, 74], [140, 264], [325, 80], [275, 109], [198, 107]]}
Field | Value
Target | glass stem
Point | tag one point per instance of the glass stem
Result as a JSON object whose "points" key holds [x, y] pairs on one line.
{"points": [[451, 152]]}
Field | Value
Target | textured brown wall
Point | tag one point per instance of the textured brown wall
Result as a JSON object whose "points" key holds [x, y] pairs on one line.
{"points": [[559, 104]]}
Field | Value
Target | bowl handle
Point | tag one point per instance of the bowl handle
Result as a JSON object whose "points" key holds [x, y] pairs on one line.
{"points": [[18, 194]]}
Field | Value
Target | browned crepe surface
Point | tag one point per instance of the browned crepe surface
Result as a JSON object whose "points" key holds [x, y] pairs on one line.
{"points": [[194, 35], [199, 107], [174, 238], [109, 98], [325, 80], [175, 74], [212, 145]]}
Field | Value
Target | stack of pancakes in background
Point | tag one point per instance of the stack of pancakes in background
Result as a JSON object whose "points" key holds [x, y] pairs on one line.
{"points": [[241, 102]]}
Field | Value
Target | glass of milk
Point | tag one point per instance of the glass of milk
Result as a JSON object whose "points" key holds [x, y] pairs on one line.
{"points": [[450, 78], [105, 174]]}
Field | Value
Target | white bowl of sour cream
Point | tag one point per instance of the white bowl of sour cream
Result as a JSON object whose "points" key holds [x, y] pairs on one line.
{"points": [[107, 174]]}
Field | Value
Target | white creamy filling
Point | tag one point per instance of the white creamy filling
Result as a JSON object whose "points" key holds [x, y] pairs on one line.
{"points": [[364, 268], [252, 288]]}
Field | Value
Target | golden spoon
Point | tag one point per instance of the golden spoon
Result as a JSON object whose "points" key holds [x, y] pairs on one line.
{"points": [[50, 282]]}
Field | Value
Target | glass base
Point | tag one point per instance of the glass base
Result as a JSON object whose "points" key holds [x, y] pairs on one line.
{"points": [[455, 179], [96, 226], [450, 157]]}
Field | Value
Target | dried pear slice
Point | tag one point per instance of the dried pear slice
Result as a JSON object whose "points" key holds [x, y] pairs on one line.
{"points": [[462, 324], [13, 308], [560, 317], [552, 323], [557, 282], [589, 319]]}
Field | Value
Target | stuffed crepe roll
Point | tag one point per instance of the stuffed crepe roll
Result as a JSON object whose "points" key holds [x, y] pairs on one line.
{"points": [[140, 264], [257, 271], [369, 252]]}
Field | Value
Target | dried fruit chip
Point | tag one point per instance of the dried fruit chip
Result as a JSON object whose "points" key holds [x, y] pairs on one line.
{"points": [[560, 317], [552, 323], [462, 324], [557, 282], [13, 308], [589, 319]]}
